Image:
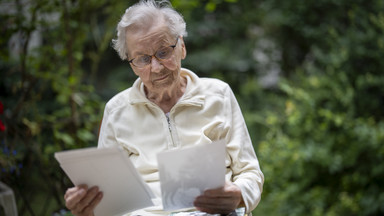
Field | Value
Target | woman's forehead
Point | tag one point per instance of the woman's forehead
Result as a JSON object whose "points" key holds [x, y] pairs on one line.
{"points": [[141, 41]]}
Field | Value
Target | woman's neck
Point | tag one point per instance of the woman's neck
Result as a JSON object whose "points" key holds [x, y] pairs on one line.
{"points": [[167, 98]]}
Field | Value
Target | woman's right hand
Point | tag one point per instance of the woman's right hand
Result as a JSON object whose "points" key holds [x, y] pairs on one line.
{"points": [[81, 201]]}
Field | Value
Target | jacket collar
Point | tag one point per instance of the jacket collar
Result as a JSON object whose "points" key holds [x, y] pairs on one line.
{"points": [[191, 95]]}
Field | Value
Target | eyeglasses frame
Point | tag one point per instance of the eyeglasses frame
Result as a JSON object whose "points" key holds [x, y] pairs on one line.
{"points": [[154, 55]]}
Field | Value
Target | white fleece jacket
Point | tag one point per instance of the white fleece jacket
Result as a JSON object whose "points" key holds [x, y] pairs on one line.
{"points": [[207, 111]]}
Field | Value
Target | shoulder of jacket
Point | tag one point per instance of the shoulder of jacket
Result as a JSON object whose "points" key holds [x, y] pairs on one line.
{"points": [[205, 84], [213, 85], [118, 101]]}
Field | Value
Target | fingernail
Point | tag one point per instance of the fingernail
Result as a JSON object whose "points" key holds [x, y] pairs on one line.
{"points": [[82, 191]]}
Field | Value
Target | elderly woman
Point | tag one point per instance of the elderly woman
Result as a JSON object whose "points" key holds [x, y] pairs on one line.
{"points": [[170, 107]]}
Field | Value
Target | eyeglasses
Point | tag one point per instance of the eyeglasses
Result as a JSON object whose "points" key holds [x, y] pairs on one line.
{"points": [[161, 54]]}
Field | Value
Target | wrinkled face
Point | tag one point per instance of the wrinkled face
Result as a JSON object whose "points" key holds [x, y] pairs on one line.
{"points": [[158, 75]]}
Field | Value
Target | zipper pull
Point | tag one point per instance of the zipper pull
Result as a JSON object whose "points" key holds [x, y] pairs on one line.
{"points": [[169, 122]]}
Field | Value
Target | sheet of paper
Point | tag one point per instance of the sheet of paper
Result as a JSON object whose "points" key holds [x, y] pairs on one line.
{"points": [[187, 173], [112, 171]]}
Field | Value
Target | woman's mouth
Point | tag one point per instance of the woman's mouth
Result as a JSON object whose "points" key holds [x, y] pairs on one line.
{"points": [[161, 78]]}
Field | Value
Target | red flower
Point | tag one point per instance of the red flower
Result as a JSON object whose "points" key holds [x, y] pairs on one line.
{"points": [[1, 108], [2, 126]]}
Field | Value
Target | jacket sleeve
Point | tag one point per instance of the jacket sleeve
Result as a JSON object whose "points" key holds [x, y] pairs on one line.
{"points": [[246, 172], [107, 136]]}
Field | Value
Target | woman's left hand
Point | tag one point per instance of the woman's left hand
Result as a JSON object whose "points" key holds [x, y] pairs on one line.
{"points": [[222, 200]]}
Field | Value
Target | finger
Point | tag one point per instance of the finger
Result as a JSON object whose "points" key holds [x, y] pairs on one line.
{"points": [[228, 190], [216, 204], [87, 199], [73, 190], [214, 201], [219, 192], [215, 209], [92, 205], [73, 196], [213, 206]]}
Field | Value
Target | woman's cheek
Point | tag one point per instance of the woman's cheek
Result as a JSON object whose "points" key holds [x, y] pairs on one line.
{"points": [[173, 64]]}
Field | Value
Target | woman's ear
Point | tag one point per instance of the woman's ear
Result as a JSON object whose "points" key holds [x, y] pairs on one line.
{"points": [[183, 48]]}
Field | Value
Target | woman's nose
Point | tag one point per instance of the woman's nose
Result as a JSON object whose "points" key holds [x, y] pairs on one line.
{"points": [[156, 66]]}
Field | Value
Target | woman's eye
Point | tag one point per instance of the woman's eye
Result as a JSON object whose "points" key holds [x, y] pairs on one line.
{"points": [[144, 58], [162, 54]]}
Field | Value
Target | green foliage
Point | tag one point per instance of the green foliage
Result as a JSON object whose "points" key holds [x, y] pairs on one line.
{"points": [[320, 158], [323, 153], [49, 98]]}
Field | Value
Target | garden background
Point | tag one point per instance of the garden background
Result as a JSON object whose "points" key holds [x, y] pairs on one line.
{"points": [[309, 76]]}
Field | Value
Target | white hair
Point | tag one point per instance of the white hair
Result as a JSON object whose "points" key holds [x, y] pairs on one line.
{"points": [[145, 13]]}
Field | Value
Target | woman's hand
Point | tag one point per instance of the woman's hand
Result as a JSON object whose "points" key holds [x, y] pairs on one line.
{"points": [[81, 200], [223, 200]]}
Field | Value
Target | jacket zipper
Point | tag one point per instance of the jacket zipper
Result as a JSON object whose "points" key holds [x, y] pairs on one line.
{"points": [[168, 119], [170, 128]]}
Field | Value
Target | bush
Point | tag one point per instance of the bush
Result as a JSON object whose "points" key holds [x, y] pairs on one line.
{"points": [[323, 152]]}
